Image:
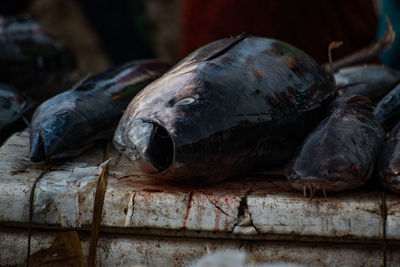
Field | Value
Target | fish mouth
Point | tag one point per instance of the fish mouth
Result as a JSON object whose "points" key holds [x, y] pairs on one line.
{"points": [[148, 144], [160, 151], [38, 150]]}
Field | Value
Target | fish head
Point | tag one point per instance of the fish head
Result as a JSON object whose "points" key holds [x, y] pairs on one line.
{"points": [[12, 104], [176, 128], [327, 171], [55, 129]]}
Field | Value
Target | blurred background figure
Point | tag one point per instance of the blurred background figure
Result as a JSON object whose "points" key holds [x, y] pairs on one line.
{"points": [[309, 25], [104, 33]]}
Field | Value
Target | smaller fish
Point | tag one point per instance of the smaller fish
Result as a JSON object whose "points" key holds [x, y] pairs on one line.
{"points": [[32, 60], [68, 123], [370, 80], [13, 106], [389, 161], [340, 153], [387, 111]]}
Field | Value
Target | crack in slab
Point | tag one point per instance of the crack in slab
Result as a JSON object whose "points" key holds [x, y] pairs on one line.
{"points": [[31, 210], [220, 209], [214, 203], [189, 206], [243, 207], [132, 208]]}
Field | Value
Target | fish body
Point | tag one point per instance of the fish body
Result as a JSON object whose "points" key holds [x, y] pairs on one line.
{"points": [[68, 123], [230, 106], [370, 80], [13, 106], [340, 153], [32, 60], [389, 161], [387, 111]]}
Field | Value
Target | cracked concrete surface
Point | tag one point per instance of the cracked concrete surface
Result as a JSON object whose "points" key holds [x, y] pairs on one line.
{"points": [[248, 208]]}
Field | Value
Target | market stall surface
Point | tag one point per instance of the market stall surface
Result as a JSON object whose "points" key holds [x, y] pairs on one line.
{"points": [[154, 223]]}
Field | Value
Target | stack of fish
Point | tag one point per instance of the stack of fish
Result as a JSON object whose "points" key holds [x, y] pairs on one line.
{"points": [[242, 103], [33, 65], [230, 107]]}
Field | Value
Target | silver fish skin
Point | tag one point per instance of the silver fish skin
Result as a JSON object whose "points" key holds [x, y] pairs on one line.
{"points": [[340, 153], [228, 108], [389, 161], [68, 123], [370, 80]]}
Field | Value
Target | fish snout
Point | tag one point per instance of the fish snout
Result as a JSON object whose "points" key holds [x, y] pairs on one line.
{"points": [[37, 148], [148, 144]]}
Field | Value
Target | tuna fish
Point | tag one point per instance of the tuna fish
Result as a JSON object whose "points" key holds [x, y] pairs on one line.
{"points": [[227, 108], [13, 106], [389, 161], [388, 109], [68, 123], [340, 153], [372, 81], [32, 60]]}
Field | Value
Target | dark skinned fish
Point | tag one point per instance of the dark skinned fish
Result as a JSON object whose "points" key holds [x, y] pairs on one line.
{"points": [[32, 60], [372, 81], [389, 161], [70, 122], [387, 111], [340, 153], [230, 106], [13, 106]]}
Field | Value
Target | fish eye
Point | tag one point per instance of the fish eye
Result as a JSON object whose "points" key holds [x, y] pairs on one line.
{"points": [[185, 101]]}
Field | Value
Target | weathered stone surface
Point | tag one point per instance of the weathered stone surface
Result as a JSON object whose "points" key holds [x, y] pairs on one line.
{"points": [[64, 197], [356, 214], [253, 213], [393, 256], [317, 254], [393, 216], [119, 250]]}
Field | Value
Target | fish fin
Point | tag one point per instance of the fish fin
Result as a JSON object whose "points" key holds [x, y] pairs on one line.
{"points": [[80, 86], [222, 50], [349, 85], [368, 52], [315, 106], [332, 45], [26, 121], [131, 90]]}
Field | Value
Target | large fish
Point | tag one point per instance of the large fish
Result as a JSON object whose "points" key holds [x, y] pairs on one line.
{"points": [[370, 80], [32, 60], [340, 153], [225, 109], [387, 111], [70, 122], [13, 106], [389, 161]]}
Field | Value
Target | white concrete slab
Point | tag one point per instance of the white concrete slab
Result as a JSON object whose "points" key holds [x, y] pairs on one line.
{"points": [[393, 216], [128, 250], [246, 207]]}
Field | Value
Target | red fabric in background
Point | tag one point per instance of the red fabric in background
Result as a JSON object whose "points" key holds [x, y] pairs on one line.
{"points": [[309, 25]]}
